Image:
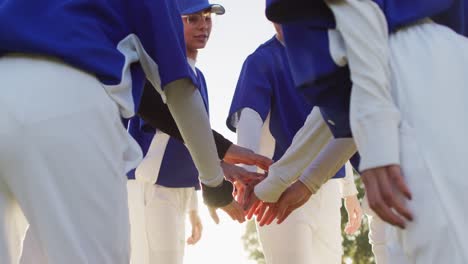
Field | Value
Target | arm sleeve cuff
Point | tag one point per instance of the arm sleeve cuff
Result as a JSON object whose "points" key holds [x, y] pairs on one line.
{"points": [[270, 189], [378, 143], [218, 196]]}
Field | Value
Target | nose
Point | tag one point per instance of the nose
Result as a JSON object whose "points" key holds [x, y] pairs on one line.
{"points": [[203, 24]]}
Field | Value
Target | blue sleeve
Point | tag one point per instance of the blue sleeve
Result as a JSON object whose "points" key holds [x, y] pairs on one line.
{"points": [[341, 173], [355, 160], [253, 90], [456, 17], [320, 80], [308, 49], [136, 128], [159, 27], [203, 90]]}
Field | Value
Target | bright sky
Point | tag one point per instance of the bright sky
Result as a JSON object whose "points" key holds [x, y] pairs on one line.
{"points": [[235, 35]]}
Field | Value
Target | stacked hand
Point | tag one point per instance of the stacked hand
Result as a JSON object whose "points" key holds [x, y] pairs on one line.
{"points": [[244, 183], [234, 210], [240, 155], [294, 197], [243, 180]]}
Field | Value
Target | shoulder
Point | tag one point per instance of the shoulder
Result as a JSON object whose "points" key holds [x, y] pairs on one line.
{"points": [[264, 52]]}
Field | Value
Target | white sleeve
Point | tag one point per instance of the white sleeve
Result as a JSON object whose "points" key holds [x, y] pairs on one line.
{"points": [[347, 184], [249, 130], [306, 145], [186, 106], [373, 115], [328, 162]]}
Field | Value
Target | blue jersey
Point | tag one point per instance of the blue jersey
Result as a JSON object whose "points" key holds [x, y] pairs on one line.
{"points": [[177, 169], [452, 13], [306, 26], [106, 38], [266, 86]]}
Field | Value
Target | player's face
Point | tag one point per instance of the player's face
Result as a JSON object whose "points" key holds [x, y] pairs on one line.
{"points": [[197, 29]]}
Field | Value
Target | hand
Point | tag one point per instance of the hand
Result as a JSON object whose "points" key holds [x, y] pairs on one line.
{"points": [[244, 181], [294, 197], [353, 208], [386, 189], [235, 173], [213, 214], [197, 228], [241, 192], [234, 210], [251, 204], [239, 155]]}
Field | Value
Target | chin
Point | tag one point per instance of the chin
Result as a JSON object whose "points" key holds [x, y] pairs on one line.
{"points": [[200, 46]]}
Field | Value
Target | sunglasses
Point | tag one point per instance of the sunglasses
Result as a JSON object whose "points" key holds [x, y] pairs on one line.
{"points": [[198, 18]]}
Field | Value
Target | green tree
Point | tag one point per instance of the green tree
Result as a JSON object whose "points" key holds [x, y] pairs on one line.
{"points": [[356, 247], [251, 243]]}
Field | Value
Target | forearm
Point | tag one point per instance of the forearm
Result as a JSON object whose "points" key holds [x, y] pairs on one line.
{"points": [[249, 129], [306, 145], [153, 110], [347, 184], [193, 203], [327, 163], [373, 115], [186, 106]]}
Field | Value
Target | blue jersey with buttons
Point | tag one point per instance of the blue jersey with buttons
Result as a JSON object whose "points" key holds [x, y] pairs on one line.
{"points": [[306, 26], [177, 169], [266, 86], [106, 38]]}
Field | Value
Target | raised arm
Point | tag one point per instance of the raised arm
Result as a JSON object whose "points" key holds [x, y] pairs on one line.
{"points": [[156, 113], [306, 145]]}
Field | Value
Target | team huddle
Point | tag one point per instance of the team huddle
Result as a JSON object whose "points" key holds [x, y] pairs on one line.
{"points": [[106, 135]]}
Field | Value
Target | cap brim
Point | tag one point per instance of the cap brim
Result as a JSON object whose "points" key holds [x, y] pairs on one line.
{"points": [[215, 8], [218, 9]]}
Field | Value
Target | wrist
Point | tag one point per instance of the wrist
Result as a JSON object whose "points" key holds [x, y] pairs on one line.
{"points": [[230, 152], [271, 188], [303, 188], [218, 196]]}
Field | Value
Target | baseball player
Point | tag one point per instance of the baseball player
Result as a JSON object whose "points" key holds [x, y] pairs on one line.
{"points": [[266, 100], [167, 174], [70, 71], [413, 61]]}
